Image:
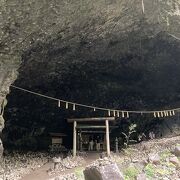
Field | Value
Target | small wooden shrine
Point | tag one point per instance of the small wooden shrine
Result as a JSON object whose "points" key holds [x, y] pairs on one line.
{"points": [[57, 141], [84, 127]]}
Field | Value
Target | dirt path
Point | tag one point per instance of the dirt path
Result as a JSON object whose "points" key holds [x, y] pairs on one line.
{"points": [[41, 173]]}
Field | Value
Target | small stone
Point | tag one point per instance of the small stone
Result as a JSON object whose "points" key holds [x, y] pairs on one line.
{"points": [[56, 160], [175, 161], [141, 176], [144, 162], [165, 178], [135, 160], [177, 151], [57, 178], [154, 158]]}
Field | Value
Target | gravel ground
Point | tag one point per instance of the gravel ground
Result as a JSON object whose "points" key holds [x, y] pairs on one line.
{"points": [[16, 164], [153, 159], [61, 165]]}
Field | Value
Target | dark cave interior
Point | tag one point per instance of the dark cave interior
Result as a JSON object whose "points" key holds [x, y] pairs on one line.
{"points": [[111, 72]]}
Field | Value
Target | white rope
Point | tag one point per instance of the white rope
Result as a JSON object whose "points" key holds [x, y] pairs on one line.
{"points": [[158, 112], [142, 3]]}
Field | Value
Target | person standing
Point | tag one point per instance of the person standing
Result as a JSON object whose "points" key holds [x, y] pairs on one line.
{"points": [[91, 144], [98, 143], [151, 135]]}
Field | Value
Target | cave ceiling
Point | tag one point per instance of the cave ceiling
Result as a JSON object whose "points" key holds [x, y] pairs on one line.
{"points": [[104, 53]]}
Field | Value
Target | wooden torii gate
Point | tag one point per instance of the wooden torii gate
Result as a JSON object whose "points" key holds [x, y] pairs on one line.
{"points": [[95, 119]]}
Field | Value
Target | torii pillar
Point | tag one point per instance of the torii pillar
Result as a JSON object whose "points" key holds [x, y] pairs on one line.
{"points": [[74, 138], [107, 138]]}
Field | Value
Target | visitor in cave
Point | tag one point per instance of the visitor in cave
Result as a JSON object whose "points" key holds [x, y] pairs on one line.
{"points": [[98, 143], [151, 135], [91, 143], [141, 137]]}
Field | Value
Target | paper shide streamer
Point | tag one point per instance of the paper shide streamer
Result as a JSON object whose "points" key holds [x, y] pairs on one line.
{"points": [[122, 114], [67, 105], [74, 107], [59, 103], [109, 113], [117, 113], [114, 113]]}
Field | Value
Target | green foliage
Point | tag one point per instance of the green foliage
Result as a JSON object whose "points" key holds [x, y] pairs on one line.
{"points": [[27, 142], [165, 154], [127, 135], [163, 172], [132, 128], [168, 164], [150, 170], [129, 151], [131, 172], [79, 173]]}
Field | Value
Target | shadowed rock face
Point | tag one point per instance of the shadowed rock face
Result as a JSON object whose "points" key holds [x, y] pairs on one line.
{"points": [[105, 53], [7, 77], [100, 75]]}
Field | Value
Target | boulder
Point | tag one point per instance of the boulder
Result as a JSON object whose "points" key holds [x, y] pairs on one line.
{"points": [[177, 151], [107, 172], [154, 158], [175, 161]]}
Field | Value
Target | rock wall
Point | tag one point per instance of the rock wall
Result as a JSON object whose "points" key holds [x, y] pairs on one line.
{"points": [[7, 77], [75, 35]]}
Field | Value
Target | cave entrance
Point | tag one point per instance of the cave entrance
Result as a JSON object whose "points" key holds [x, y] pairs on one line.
{"points": [[91, 134]]}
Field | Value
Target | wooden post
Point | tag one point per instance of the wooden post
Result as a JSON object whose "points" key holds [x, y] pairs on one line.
{"points": [[116, 145], [107, 138], [74, 138], [80, 141]]}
